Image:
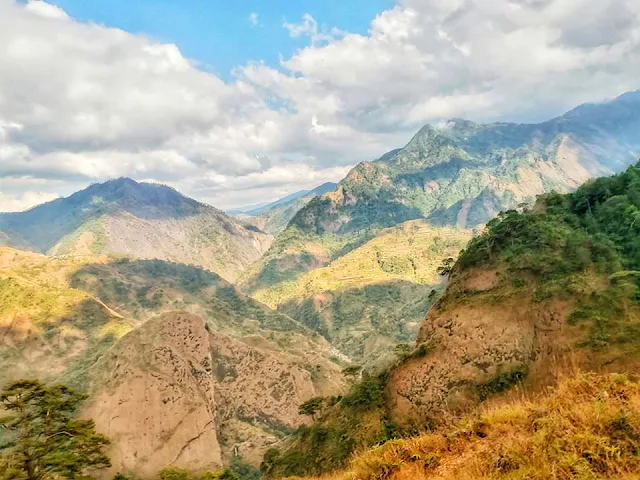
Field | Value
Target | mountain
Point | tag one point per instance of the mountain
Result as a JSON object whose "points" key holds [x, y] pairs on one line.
{"points": [[541, 292], [454, 176], [142, 220], [375, 296], [180, 367], [274, 217]]}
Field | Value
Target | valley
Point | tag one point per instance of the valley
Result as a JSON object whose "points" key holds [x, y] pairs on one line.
{"points": [[403, 323]]}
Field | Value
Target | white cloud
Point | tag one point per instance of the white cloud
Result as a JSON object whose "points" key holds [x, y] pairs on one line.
{"points": [[46, 9], [82, 102], [309, 28], [24, 201], [254, 19]]}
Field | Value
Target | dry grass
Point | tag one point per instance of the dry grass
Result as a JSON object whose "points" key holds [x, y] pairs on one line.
{"points": [[588, 427]]}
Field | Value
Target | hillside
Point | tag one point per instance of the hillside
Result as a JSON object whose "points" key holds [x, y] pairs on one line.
{"points": [[586, 427], [459, 174], [558, 284], [374, 297], [172, 349], [274, 217], [145, 221]]}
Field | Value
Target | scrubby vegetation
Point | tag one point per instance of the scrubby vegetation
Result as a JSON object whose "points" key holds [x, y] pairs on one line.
{"points": [[588, 427], [568, 240]]}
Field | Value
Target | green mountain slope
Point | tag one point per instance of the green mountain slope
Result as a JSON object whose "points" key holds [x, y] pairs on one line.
{"points": [[168, 353], [374, 297], [538, 291], [142, 220], [460, 174]]}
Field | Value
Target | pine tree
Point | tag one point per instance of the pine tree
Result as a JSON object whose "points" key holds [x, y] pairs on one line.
{"points": [[42, 438]]}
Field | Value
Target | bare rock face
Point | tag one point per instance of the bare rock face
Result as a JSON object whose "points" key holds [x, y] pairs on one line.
{"points": [[172, 393], [155, 398], [470, 343]]}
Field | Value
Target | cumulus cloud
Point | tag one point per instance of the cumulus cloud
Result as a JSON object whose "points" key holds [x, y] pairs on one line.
{"points": [[83, 102], [254, 19], [24, 201]]}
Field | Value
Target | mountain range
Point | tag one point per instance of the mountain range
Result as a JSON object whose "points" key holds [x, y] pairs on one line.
{"points": [[202, 342], [457, 175], [274, 217]]}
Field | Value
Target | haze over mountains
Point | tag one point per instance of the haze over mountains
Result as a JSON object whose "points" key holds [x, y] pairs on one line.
{"points": [[274, 217]]}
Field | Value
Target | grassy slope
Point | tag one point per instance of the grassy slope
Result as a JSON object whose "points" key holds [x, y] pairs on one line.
{"points": [[582, 249], [375, 296], [588, 427]]}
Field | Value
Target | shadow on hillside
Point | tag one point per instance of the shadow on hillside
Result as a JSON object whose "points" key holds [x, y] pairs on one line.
{"points": [[387, 308], [120, 280]]}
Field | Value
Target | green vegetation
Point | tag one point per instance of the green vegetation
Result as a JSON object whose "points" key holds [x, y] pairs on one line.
{"points": [[367, 300], [567, 238], [43, 438], [354, 421], [311, 407]]}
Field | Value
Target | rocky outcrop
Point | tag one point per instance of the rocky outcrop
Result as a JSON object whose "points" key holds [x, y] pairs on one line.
{"points": [[473, 341], [174, 393], [154, 396]]}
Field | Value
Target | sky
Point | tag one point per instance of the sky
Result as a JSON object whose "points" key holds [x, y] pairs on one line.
{"points": [[241, 102]]}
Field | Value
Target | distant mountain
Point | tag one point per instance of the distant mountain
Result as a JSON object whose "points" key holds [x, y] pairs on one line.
{"points": [[142, 220], [461, 174], [274, 217]]}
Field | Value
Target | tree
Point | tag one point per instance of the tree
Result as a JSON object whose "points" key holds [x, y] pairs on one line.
{"points": [[352, 372], [446, 267], [311, 407], [44, 440]]}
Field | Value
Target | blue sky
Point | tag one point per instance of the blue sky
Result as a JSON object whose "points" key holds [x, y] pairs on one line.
{"points": [[218, 33], [120, 98]]}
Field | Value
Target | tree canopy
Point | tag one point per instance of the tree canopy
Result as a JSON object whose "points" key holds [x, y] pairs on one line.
{"points": [[42, 438]]}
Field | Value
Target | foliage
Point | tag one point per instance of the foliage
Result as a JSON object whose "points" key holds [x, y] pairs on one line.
{"points": [[447, 266], [566, 238], [177, 473], [44, 439], [356, 420], [311, 407]]}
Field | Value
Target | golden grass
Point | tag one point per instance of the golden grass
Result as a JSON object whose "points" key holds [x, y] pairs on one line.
{"points": [[588, 427]]}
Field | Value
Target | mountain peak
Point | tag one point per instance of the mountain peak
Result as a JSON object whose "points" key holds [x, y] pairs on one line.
{"points": [[126, 191]]}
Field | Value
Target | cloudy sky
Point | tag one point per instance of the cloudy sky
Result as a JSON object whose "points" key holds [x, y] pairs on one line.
{"points": [[239, 102]]}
